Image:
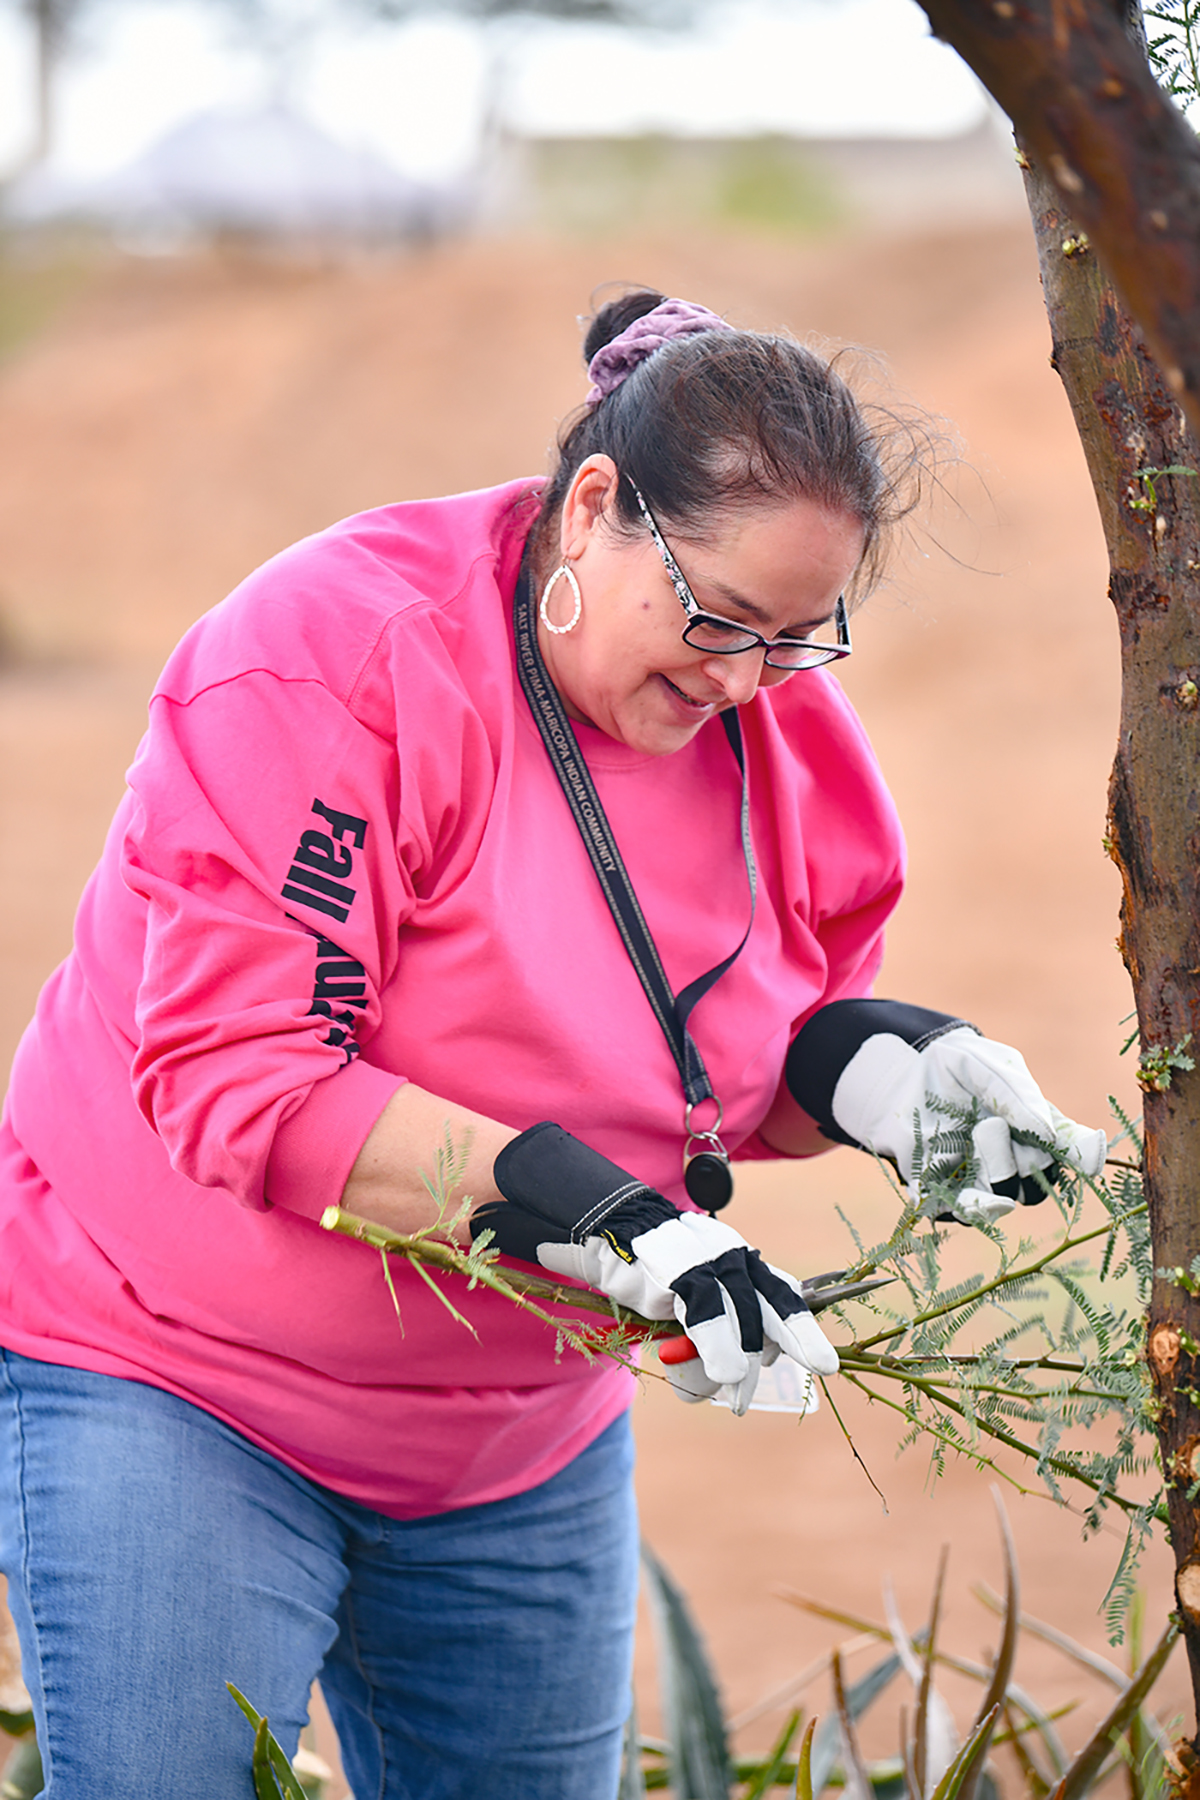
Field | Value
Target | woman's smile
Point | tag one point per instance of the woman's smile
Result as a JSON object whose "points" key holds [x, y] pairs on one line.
{"points": [[623, 665], [688, 700]]}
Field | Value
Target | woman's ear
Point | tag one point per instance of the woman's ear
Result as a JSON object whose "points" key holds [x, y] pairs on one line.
{"points": [[591, 496]]}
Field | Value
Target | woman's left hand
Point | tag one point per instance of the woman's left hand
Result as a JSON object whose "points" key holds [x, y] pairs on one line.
{"points": [[903, 1082]]}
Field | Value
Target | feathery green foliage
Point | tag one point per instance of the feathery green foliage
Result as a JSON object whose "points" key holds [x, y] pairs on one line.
{"points": [[1040, 1357], [1037, 1358], [1173, 33]]}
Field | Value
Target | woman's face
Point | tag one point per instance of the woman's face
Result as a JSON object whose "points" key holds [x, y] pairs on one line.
{"points": [[625, 668]]}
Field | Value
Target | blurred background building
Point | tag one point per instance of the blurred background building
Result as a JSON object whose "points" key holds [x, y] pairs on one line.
{"points": [[168, 121]]}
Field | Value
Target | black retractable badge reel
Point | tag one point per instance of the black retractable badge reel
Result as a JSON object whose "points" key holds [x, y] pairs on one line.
{"points": [[707, 1175], [706, 1172]]}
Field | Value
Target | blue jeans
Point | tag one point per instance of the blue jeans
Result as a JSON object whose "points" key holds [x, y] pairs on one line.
{"points": [[153, 1554]]}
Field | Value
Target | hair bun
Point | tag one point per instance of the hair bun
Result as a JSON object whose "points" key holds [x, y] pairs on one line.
{"points": [[616, 316]]}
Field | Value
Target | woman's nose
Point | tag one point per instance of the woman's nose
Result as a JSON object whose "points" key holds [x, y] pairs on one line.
{"points": [[738, 676]]}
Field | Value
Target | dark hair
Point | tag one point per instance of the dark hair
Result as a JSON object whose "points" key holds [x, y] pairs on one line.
{"points": [[720, 419]]}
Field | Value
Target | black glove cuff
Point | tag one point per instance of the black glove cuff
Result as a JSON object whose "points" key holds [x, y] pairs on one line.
{"points": [[823, 1047], [563, 1184]]}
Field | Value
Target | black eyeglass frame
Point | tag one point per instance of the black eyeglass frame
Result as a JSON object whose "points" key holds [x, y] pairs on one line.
{"points": [[696, 615]]}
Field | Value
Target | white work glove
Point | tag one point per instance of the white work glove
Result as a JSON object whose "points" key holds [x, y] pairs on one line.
{"points": [[876, 1070], [570, 1210]]}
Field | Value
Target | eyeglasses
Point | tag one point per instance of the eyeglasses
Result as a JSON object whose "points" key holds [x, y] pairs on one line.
{"points": [[720, 637]]}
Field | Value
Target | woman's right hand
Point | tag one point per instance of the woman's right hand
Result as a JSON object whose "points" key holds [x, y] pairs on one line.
{"points": [[570, 1210]]}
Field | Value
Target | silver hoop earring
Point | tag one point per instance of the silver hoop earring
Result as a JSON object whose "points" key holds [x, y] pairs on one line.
{"points": [[564, 568]]}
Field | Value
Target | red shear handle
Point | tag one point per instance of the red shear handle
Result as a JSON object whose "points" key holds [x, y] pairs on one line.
{"points": [[676, 1350]]}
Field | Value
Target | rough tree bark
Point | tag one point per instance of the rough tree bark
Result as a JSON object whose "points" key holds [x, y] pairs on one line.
{"points": [[1102, 140], [1122, 158], [1129, 421]]}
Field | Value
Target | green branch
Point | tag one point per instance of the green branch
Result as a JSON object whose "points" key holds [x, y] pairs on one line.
{"points": [[1004, 1279], [972, 1403], [479, 1266], [1061, 1465]]}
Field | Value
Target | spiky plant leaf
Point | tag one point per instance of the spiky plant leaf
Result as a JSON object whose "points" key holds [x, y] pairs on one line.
{"points": [[858, 1782], [265, 1785], [925, 1733], [699, 1752], [997, 1690], [859, 1695], [803, 1789], [1081, 1775], [633, 1782], [273, 1773], [968, 1759], [776, 1768], [934, 1739]]}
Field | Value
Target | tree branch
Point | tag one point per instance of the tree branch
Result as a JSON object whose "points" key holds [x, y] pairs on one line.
{"points": [[1121, 155]]}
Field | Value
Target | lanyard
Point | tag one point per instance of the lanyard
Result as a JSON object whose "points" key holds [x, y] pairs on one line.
{"points": [[671, 1010]]}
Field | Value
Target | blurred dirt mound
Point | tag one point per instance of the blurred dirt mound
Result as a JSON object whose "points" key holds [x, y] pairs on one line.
{"points": [[185, 420]]}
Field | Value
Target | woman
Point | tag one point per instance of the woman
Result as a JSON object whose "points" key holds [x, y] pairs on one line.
{"points": [[511, 816]]}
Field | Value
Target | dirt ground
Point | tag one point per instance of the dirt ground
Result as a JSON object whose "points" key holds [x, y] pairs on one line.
{"points": [[182, 420]]}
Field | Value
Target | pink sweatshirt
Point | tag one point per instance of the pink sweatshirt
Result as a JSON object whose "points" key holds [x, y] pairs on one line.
{"points": [[343, 860]]}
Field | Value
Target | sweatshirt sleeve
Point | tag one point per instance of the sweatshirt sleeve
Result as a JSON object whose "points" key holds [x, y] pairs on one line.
{"points": [[843, 847], [267, 844]]}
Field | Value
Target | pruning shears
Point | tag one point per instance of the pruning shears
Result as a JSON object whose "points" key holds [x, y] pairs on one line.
{"points": [[819, 1292]]}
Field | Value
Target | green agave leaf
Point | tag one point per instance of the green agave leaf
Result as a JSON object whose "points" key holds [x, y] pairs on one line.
{"points": [[23, 1777], [287, 1778], [699, 1753], [997, 1691], [1081, 1775], [273, 1773], [858, 1785], [265, 1785], [925, 1693], [912, 1785], [1087, 1659], [245, 1705], [968, 1759], [1036, 1785], [859, 1695], [1107, 1671], [633, 1782], [803, 1789], [770, 1773]]}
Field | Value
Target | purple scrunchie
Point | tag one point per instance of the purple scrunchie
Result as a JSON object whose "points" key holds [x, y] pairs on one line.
{"points": [[671, 319]]}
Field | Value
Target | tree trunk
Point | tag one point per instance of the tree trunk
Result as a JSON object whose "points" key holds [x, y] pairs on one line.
{"points": [[1072, 75], [1129, 421], [1120, 155]]}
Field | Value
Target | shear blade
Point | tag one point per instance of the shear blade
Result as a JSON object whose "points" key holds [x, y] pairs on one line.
{"points": [[823, 1290]]}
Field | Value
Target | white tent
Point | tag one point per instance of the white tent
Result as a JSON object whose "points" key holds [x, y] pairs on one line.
{"points": [[266, 172]]}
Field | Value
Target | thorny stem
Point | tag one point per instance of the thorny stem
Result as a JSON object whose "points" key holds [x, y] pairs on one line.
{"points": [[1005, 1279], [854, 1451], [1053, 1363], [977, 1456], [513, 1283], [1061, 1465], [528, 1290], [900, 1369]]}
